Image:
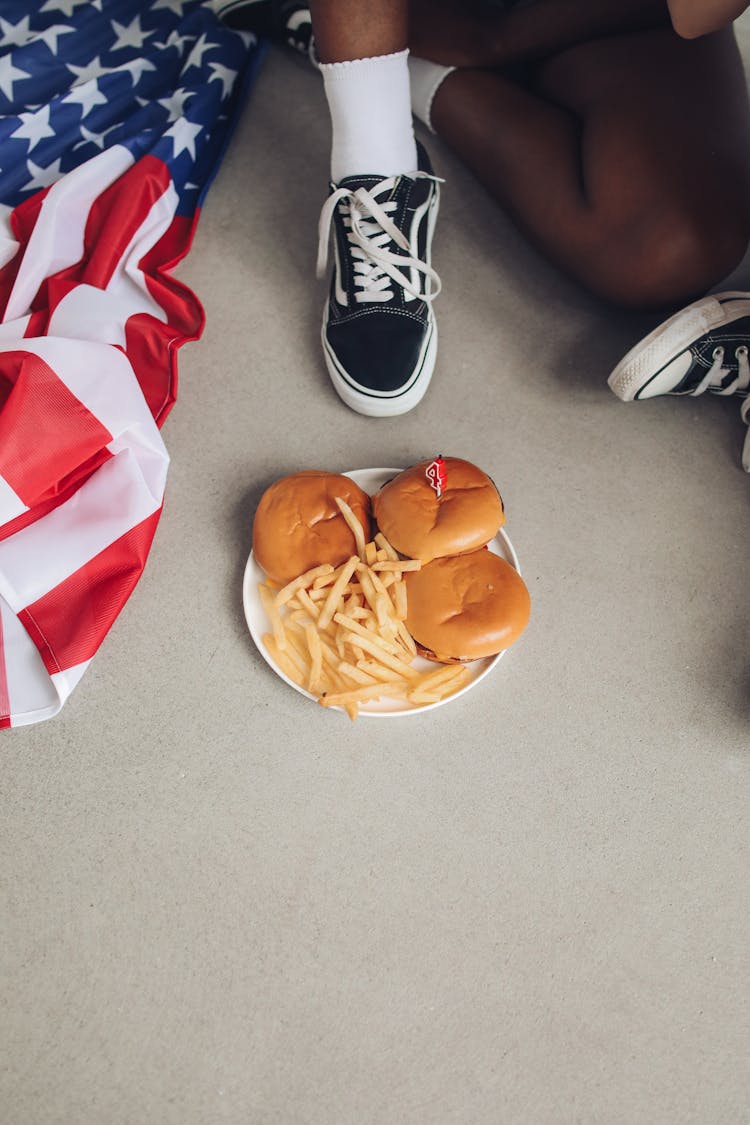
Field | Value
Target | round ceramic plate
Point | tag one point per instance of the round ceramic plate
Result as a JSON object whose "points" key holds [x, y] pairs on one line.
{"points": [[370, 480]]}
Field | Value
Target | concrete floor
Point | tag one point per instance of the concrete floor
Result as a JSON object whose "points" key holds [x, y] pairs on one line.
{"points": [[226, 904]]}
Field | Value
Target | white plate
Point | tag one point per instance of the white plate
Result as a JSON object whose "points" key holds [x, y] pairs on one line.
{"points": [[370, 480]]}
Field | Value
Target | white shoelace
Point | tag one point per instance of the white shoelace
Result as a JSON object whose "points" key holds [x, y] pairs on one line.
{"points": [[369, 230], [713, 380]]}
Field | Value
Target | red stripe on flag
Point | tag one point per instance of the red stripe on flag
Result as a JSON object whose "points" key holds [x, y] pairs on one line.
{"points": [[153, 350], [114, 218], [45, 431], [117, 215], [57, 495], [70, 622]]}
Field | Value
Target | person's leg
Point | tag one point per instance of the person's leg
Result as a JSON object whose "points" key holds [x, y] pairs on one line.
{"points": [[358, 29], [379, 334], [626, 159]]}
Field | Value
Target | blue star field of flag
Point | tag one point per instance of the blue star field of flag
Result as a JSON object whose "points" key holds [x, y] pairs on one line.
{"points": [[77, 76]]}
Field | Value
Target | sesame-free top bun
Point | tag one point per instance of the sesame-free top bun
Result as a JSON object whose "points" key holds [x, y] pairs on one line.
{"points": [[298, 524], [466, 606], [422, 526]]}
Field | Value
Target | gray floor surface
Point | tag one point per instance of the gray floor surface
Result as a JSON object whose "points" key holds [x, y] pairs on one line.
{"points": [[224, 904]]}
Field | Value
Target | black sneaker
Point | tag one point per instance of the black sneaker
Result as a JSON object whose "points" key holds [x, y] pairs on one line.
{"points": [[281, 21], [704, 347], [379, 332]]}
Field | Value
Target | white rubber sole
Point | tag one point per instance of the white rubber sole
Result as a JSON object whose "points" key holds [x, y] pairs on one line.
{"points": [[644, 362], [384, 405]]}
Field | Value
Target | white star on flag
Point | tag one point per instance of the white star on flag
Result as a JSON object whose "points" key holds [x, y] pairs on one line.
{"points": [[224, 75], [8, 75], [175, 105], [67, 7], [135, 68], [91, 138], [130, 35], [94, 69], [16, 34], [42, 177], [34, 127], [182, 135], [87, 96], [174, 39], [249, 38], [195, 58], [50, 35]]}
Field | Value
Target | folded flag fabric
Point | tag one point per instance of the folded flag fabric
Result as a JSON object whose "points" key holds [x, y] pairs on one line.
{"points": [[114, 116]]}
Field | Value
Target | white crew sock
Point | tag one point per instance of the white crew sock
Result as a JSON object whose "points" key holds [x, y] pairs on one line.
{"points": [[425, 78], [370, 116]]}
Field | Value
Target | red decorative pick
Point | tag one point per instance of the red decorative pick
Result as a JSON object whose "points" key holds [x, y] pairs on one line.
{"points": [[436, 475]]}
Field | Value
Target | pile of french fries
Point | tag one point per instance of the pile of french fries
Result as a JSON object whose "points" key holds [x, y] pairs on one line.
{"points": [[340, 633]]}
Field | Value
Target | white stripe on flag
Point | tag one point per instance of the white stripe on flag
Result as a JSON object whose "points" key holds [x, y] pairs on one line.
{"points": [[87, 313], [11, 504], [56, 241], [31, 692], [111, 502]]}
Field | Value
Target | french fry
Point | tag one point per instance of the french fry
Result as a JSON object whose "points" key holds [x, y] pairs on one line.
{"points": [[384, 545], [336, 594], [306, 579], [316, 657], [284, 660], [385, 615], [277, 625], [352, 672], [362, 693], [440, 675], [437, 685], [368, 586], [308, 604], [399, 599], [361, 631], [400, 565], [406, 639], [377, 671], [371, 553], [355, 527], [382, 655]]}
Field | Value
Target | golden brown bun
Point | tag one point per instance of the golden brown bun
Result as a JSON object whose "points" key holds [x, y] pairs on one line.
{"points": [[466, 606], [298, 525], [422, 526]]}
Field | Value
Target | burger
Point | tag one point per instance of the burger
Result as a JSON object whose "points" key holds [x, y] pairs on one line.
{"points": [[463, 607], [426, 522], [298, 524]]}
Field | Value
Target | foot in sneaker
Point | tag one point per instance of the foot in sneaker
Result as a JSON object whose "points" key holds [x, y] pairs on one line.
{"points": [[702, 348], [379, 333]]}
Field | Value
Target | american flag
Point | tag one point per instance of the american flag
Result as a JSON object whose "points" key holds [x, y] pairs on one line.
{"points": [[114, 116]]}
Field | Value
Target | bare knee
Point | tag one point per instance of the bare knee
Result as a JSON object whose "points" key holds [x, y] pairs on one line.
{"points": [[657, 263]]}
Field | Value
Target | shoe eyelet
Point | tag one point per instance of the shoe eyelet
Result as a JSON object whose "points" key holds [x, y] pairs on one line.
{"points": [[717, 353], [741, 350]]}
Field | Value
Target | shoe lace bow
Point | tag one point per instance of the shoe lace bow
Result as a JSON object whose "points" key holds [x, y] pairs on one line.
{"points": [[369, 231], [730, 378]]}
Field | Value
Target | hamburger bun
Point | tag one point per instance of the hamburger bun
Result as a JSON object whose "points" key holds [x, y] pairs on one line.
{"points": [[466, 606], [298, 524], [421, 525]]}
